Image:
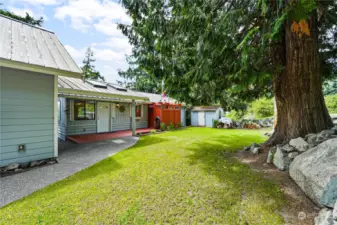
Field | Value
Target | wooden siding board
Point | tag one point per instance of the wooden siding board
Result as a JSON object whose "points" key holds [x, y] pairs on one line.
{"points": [[15, 122], [19, 122], [29, 146], [28, 108], [24, 102], [25, 134], [32, 152], [19, 128]]}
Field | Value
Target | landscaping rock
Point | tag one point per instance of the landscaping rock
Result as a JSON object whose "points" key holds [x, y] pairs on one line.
{"points": [[292, 155], [12, 166], [312, 140], [287, 148], [256, 150], [34, 163], [24, 165], [300, 144], [315, 171], [270, 156], [247, 148], [254, 145], [327, 133], [325, 218], [281, 160]]}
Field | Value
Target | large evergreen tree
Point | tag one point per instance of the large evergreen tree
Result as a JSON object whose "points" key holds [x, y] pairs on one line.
{"points": [[89, 71], [221, 50]]}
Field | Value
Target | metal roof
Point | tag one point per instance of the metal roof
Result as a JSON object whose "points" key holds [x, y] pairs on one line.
{"points": [[158, 98], [74, 86], [22, 44], [205, 108]]}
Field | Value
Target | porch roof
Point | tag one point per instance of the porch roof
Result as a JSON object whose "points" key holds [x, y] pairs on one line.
{"points": [[68, 86]]}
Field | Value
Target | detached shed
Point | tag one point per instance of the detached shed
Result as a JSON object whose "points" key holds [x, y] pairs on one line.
{"points": [[203, 116]]}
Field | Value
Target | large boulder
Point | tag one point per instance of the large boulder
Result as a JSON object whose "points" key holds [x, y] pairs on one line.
{"points": [[300, 144], [315, 171], [325, 218]]}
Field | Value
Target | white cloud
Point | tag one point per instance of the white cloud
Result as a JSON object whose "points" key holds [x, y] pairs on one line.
{"points": [[21, 12], [76, 54], [108, 61], [86, 13], [101, 16], [116, 43], [108, 27], [43, 2]]}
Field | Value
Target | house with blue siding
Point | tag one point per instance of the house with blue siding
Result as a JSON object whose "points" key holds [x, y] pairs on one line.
{"points": [[203, 116], [31, 60], [90, 106]]}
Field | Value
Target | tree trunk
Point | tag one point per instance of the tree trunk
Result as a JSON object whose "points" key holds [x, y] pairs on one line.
{"points": [[298, 88]]}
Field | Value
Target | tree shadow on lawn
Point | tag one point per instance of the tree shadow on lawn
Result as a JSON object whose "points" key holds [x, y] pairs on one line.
{"points": [[109, 164], [243, 196], [148, 140]]}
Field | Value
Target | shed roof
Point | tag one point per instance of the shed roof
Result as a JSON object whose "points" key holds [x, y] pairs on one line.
{"points": [[205, 108], [154, 98], [69, 86], [27, 47]]}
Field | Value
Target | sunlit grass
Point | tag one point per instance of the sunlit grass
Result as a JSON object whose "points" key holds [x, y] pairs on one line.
{"points": [[179, 177]]}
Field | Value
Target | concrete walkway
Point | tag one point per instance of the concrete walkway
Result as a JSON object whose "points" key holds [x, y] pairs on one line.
{"points": [[72, 158]]}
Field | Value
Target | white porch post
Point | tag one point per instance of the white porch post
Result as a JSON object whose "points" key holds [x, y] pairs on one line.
{"points": [[133, 117]]}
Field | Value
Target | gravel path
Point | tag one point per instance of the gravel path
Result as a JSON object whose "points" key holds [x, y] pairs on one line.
{"points": [[72, 158]]}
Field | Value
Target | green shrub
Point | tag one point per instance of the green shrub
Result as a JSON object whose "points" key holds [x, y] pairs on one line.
{"points": [[153, 131], [262, 107], [170, 126], [180, 125], [331, 103], [162, 126], [236, 115], [215, 123]]}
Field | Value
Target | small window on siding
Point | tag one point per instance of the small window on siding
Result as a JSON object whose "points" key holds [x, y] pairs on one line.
{"points": [[84, 110], [139, 111]]}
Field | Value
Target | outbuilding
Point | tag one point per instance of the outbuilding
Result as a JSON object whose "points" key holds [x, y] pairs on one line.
{"points": [[203, 116], [31, 59]]}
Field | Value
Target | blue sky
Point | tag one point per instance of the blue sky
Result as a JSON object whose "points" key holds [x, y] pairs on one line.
{"points": [[83, 23]]}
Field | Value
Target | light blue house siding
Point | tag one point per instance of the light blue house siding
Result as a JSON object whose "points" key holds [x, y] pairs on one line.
{"points": [[183, 116], [209, 117], [121, 121], [26, 116], [194, 119]]}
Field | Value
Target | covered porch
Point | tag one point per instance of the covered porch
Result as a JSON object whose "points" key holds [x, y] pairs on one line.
{"points": [[88, 138]]}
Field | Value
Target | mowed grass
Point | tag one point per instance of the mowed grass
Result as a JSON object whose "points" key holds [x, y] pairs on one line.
{"points": [[180, 177]]}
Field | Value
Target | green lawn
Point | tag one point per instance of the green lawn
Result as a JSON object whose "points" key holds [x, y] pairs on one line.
{"points": [[180, 177]]}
